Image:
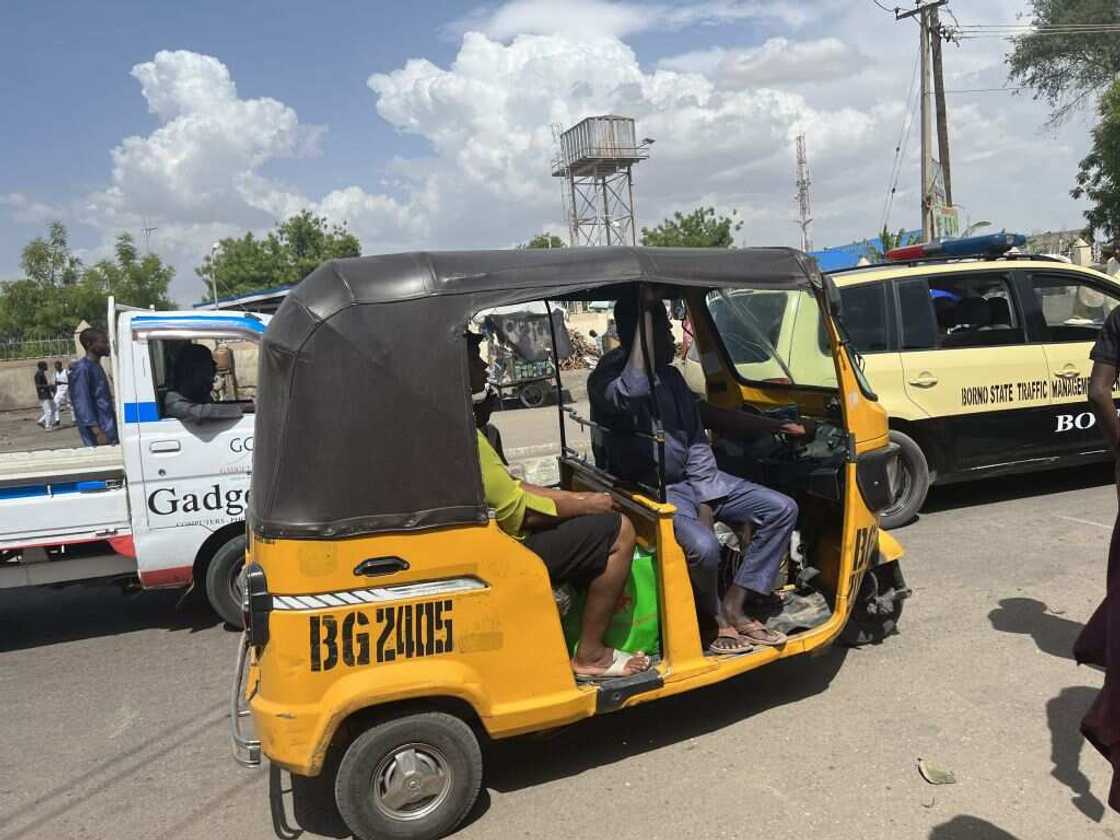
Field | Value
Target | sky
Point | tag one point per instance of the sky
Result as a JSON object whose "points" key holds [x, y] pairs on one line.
{"points": [[429, 125]]}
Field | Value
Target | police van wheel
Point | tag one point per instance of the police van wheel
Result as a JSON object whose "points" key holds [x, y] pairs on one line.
{"points": [[910, 482], [223, 580], [412, 777]]}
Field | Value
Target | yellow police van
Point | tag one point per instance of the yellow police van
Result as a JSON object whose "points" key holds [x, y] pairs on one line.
{"points": [[980, 355]]}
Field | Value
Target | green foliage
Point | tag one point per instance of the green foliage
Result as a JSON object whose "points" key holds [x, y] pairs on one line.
{"points": [[287, 255], [48, 261], [1098, 177], [1065, 69], [544, 240], [57, 293], [701, 228], [887, 241]]}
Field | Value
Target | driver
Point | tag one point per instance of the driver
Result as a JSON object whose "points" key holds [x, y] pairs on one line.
{"points": [[192, 398], [580, 537], [620, 400]]}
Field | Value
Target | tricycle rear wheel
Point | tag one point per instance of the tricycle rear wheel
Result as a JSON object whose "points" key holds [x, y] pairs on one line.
{"points": [[878, 607], [415, 776]]}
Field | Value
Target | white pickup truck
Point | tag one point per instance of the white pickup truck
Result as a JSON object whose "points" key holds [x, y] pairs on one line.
{"points": [[166, 506]]}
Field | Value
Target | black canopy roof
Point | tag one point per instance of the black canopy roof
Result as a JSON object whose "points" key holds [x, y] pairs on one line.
{"points": [[364, 421]]}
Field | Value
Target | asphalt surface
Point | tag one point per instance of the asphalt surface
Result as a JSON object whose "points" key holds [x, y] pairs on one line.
{"points": [[114, 720]]}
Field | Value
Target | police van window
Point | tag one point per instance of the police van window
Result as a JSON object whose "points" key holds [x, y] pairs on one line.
{"points": [[1072, 309], [234, 363], [919, 329], [864, 314], [975, 310]]}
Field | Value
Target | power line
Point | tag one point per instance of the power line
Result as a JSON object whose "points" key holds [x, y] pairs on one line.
{"points": [[985, 90], [886, 9], [903, 143]]}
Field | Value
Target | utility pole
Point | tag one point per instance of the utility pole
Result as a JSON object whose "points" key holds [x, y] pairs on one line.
{"points": [[923, 12], [934, 32], [806, 212]]}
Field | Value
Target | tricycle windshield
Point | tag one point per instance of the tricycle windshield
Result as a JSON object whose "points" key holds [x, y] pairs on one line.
{"points": [[774, 335]]}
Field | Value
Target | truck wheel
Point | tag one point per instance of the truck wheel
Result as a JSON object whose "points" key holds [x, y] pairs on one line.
{"points": [[223, 580], [909, 482], [412, 777], [878, 607]]}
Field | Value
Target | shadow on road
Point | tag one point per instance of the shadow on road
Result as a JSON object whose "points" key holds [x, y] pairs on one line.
{"points": [[1053, 634], [31, 618], [1010, 487], [532, 760], [964, 827], [1064, 714]]}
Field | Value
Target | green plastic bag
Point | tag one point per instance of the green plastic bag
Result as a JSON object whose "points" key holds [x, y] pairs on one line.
{"points": [[635, 624]]}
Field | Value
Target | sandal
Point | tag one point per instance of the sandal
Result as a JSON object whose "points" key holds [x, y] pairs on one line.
{"points": [[619, 660], [726, 644], [760, 634]]}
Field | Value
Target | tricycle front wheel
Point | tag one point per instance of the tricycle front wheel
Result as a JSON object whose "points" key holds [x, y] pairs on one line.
{"points": [[415, 776]]}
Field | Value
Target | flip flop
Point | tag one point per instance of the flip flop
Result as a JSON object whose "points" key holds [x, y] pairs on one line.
{"points": [[617, 668], [738, 645], [758, 633]]}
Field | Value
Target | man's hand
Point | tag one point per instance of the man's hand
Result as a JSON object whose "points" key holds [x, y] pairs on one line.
{"points": [[100, 436], [805, 428], [598, 502]]}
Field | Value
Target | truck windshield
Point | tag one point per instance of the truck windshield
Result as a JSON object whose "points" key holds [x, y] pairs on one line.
{"points": [[774, 336]]}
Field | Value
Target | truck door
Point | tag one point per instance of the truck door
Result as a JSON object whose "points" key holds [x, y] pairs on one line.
{"points": [[195, 474], [1070, 309], [966, 363]]}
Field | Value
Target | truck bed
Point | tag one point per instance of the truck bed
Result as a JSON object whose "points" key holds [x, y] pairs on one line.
{"points": [[47, 466]]}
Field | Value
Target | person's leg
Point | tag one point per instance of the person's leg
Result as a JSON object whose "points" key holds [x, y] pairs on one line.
{"points": [[602, 595], [54, 413], [87, 436], [45, 416], [774, 516]]}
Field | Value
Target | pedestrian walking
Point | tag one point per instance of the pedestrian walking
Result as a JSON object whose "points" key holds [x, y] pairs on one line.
{"points": [[45, 392], [1099, 641], [61, 390], [90, 394]]}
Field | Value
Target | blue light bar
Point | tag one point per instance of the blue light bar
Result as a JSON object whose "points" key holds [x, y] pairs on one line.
{"points": [[989, 245]]}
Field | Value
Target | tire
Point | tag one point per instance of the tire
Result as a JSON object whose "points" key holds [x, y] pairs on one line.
{"points": [[869, 623], [532, 395], [911, 483], [440, 745], [223, 581]]}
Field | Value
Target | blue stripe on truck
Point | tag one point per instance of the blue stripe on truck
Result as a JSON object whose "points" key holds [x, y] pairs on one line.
{"points": [[30, 491], [141, 412], [199, 321]]}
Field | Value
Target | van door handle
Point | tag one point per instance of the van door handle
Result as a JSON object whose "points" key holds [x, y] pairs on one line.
{"points": [[924, 381], [381, 566], [164, 446], [1068, 374]]}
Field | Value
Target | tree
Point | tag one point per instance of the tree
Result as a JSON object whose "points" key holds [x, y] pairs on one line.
{"points": [[701, 228], [1098, 177], [137, 280], [49, 262], [1066, 68], [544, 240], [286, 255], [57, 294], [888, 241]]}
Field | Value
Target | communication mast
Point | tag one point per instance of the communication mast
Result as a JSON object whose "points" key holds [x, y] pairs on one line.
{"points": [[803, 182], [595, 159]]}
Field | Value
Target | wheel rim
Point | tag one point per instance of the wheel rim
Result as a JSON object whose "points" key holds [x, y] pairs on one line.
{"points": [[411, 782], [532, 396], [901, 476]]}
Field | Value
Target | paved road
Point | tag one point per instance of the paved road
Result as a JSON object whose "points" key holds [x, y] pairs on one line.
{"points": [[114, 718]]}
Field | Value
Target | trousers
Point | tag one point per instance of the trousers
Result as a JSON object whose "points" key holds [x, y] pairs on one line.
{"points": [[772, 516]]}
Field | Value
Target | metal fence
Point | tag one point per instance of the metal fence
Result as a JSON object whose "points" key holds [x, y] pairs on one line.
{"points": [[13, 349]]}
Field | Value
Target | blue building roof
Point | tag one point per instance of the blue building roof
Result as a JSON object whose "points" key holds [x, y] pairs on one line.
{"points": [[848, 256]]}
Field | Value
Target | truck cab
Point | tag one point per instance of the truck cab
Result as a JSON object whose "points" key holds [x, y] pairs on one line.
{"points": [[166, 506]]}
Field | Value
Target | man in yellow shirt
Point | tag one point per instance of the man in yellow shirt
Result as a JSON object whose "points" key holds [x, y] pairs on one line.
{"points": [[581, 538]]}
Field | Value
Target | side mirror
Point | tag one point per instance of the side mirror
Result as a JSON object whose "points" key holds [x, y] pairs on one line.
{"points": [[832, 294]]}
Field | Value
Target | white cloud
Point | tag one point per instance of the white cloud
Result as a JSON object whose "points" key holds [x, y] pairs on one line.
{"points": [[26, 210], [779, 62]]}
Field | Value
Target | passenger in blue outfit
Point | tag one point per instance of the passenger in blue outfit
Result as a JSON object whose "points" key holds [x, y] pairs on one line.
{"points": [[90, 395], [620, 400]]}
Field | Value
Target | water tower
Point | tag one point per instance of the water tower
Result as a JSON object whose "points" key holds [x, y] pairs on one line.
{"points": [[595, 159]]}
